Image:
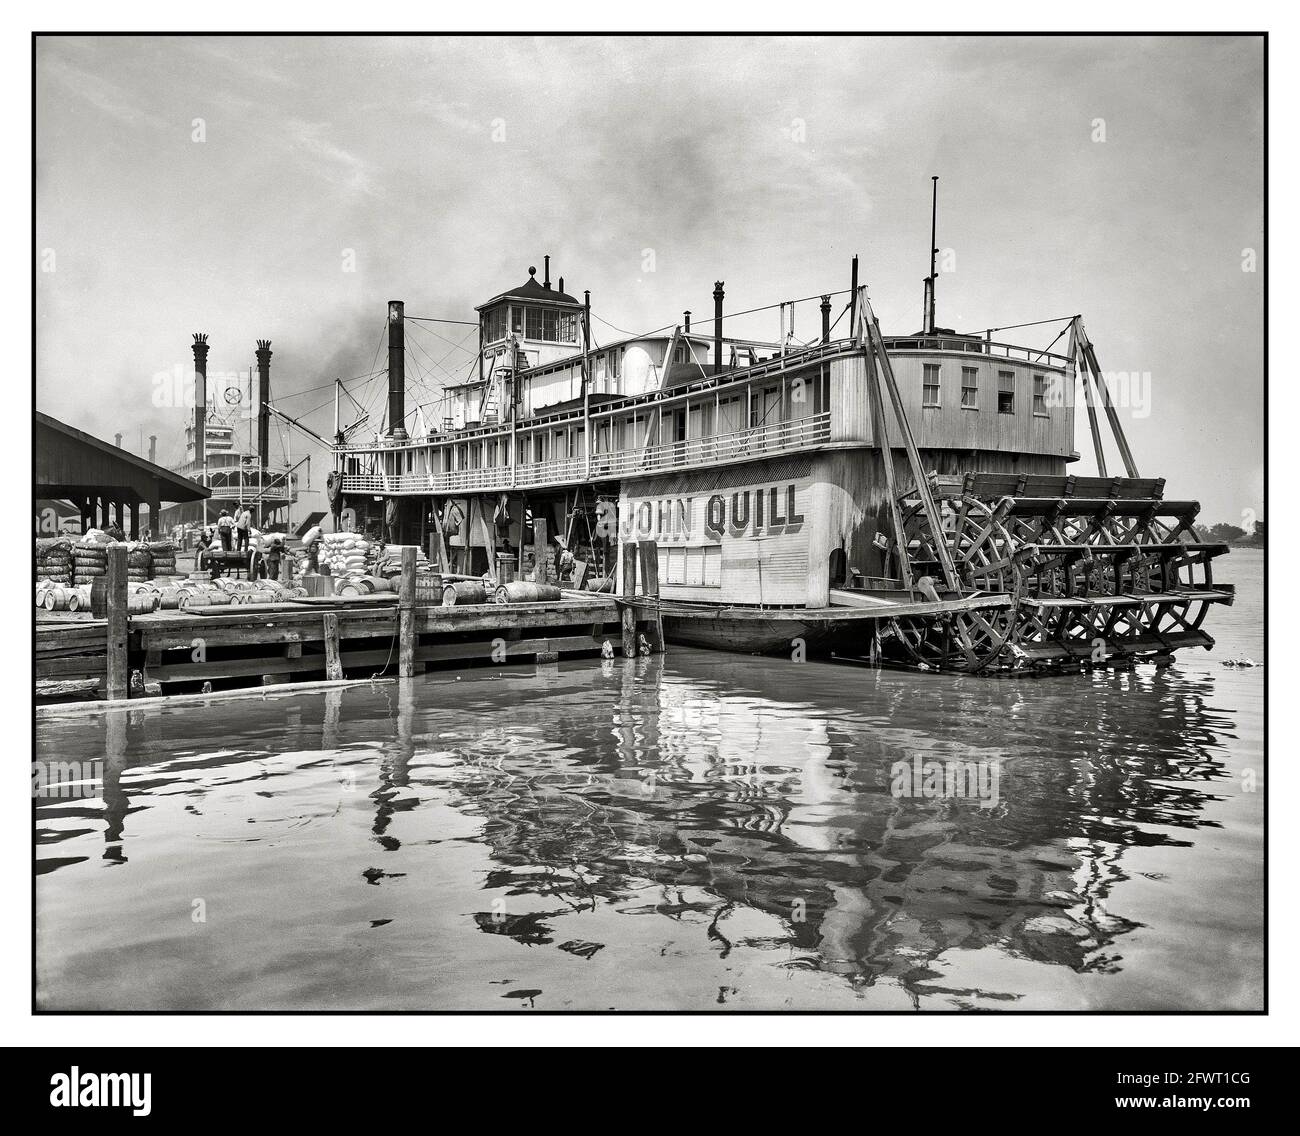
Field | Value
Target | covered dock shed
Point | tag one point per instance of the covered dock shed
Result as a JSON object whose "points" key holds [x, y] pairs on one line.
{"points": [[105, 482]]}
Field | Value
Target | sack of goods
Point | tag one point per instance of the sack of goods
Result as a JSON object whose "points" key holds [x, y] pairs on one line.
{"points": [[89, 557], [54, 560], [389, 562], [162, 558], [345, 554]]}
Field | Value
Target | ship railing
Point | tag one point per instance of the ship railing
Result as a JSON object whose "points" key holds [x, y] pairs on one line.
{"points": [[739, 445], [972, 345]]}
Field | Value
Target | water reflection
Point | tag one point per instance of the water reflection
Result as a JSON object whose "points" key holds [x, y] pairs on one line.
{"points": [[746, 801]]}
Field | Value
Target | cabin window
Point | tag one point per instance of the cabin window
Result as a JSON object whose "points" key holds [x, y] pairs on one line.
{"points": [[970, 388], [712, 565], [1040, 395], [682, 354], [930, 385], [517, 321], [699, 567], [549, 326], [730, 413], [767, 407], [494, 325], [615, 358], [1006, 392]]}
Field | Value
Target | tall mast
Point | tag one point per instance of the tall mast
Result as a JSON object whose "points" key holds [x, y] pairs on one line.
{"points": [[934, 251]]}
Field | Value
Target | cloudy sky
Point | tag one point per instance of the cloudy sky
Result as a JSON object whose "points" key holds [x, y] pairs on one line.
{"points": [[1116, 177]]}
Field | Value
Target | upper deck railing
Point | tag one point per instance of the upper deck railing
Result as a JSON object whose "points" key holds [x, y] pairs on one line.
{"points": [[739, 445], [370, 467]]}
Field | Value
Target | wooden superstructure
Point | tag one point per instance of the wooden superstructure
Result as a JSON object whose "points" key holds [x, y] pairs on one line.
{"points": [[771, 475]]}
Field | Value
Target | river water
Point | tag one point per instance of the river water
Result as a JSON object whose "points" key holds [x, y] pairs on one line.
{"points": [[701, 831]]}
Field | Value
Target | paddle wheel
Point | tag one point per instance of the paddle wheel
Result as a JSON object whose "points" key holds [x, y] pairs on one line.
{"points": [[1096, 568], [1093, 569]]}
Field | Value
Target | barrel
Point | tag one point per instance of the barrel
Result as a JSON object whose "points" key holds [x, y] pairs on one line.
{"points": [[58, 598], [464, 592], [169, 599], [522, 591], [377, 584], [204, 599], [142, 604]]}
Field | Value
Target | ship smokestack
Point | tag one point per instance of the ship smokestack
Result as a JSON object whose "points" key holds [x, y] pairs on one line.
{"points": [[718, 295], [396, 369], [153, 448], [263, 402], [117, 440], [826, 319], [561, 283], [686, 315], [546, 272], [200, 349]]}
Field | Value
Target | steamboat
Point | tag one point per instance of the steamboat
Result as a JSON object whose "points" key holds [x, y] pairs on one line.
{"points": [[235, 477], [900, 499]]}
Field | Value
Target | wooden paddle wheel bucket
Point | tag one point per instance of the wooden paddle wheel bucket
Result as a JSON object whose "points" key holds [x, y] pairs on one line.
{"points": [[1097, 569]]}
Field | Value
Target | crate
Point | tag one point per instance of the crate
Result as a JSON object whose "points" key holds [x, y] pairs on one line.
{"points": [[428, 588]]}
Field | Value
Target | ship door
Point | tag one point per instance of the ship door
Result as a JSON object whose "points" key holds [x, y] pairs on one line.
{"points": [[838, 568]]}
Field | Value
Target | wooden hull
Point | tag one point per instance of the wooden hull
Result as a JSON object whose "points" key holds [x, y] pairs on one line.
{"points": [[774, 636], [846, 631]]}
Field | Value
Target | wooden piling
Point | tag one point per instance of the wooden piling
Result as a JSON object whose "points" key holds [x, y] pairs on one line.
{"points": [[333, 660], [629, 570], [539, 549], [118, 679], [648, 551], [627, 612], [406, 615]]}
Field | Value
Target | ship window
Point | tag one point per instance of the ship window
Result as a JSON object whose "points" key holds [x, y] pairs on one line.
{"points": [[1006, 392], [1040, 395], [494, 325], [712, 565], [930, 385], [517, 321], [615, 359], [699, 567], [970, 387], [533, 324]]}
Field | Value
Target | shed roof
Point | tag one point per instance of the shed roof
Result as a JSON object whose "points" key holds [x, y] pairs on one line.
{"points": [[69, 461]]}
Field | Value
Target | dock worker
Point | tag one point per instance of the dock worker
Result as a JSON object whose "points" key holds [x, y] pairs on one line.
{"points": [[311, 541], [243, 521], [274, 551], [225, 529]]}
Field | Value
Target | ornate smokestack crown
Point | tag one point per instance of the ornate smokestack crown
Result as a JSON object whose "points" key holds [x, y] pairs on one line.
{"points": [[717, 290], [200, 346], [263, 346]]}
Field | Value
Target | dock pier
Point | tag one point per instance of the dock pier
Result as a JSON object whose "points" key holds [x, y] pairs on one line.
{"points": [[115, 655]]}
